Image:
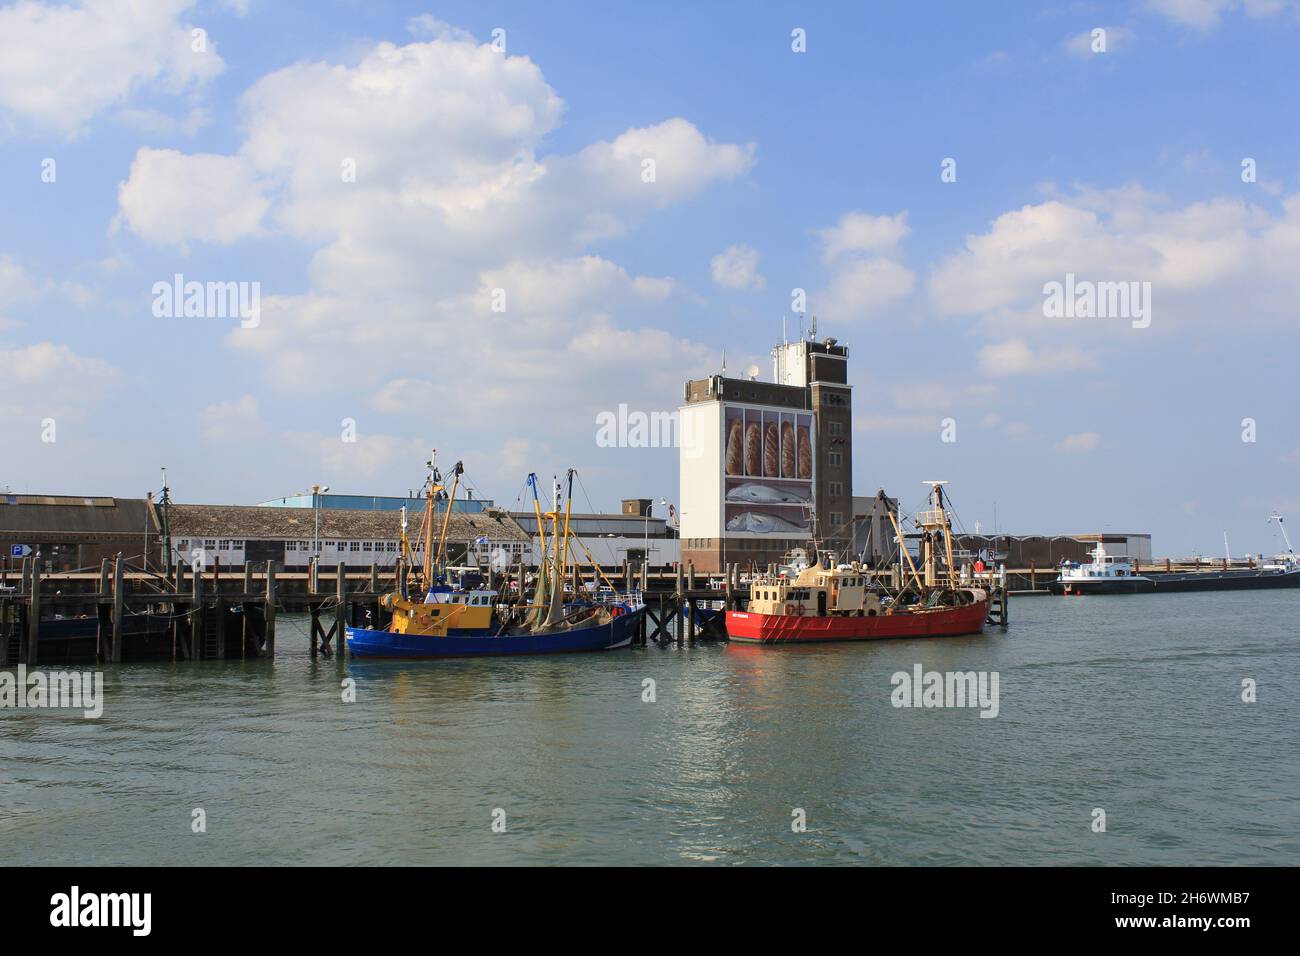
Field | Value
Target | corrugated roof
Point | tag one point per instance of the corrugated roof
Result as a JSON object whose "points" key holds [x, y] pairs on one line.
{"points": [[65, 514], [251, 521]]}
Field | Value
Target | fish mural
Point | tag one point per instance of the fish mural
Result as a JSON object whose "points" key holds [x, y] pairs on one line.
{"points": [[762, 523], [757, 494]]}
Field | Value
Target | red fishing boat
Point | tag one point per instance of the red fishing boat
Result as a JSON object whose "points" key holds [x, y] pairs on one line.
{"points": [[844, 603]]}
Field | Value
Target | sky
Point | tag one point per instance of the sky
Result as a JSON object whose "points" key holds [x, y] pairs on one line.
{"points": [[477, 227]]}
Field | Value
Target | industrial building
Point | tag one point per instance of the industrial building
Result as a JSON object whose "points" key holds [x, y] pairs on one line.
{"points": [[766, 466], [614, 538]]}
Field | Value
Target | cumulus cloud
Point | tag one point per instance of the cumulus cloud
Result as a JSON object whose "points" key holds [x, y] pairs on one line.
{"points": [[736, 267], [440, 229], [1079, 442], [859, 232], [1015, 357], [173, 197], [861, 255], [1205, 261], [61, 65], [1205, 15]]}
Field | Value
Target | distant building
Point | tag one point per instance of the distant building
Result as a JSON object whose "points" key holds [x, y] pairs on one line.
{"points": [[766, 466], [1047, 551], [73, 532], [233, 534], [614, 538], [372, 503]]}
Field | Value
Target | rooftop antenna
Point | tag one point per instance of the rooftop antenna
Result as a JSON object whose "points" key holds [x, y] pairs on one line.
{"points": [[784, 340], [752, 373], [724, 363], [812, 332]]}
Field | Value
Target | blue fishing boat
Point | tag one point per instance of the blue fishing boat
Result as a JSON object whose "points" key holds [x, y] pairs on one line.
{"points": [[469, 620], [608, 628]]}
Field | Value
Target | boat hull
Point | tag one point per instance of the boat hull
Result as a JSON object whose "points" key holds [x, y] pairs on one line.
{"points": [[749, 628], [1127, 585], [615, 633], [1181, 582]]}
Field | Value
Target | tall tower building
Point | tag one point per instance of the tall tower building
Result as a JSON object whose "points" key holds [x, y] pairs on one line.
{"points": [[768, 466]]}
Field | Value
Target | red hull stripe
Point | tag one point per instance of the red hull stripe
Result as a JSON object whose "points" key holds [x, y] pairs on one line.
{"points": [[776, 628]]}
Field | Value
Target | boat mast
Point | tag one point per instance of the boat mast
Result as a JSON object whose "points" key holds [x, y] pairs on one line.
{"points": [[1282, 527], [446, 518], [435, 486]]}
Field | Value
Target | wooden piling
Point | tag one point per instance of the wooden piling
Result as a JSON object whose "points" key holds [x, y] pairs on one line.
{"points": [[246, 589], [34, 614], [340, 611], [102, 618], [196, 615], [269, 613], [119, 606]]}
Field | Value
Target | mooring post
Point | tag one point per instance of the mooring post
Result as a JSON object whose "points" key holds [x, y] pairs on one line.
{"points": [[340, 611], [34, 616], [245, 590], [196, 615], [101, 611], [119, 606], [730, 596], [645, 578], [691, 578], [269, 613]]}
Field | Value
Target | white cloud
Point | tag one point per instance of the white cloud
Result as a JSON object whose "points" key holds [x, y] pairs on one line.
{"points": [[173, 197], [860, 253], [1080, 442], [1204, 261], [233, 420], [1205, 15], [736, 267], [1015, 357], [859, 232], [62, 65], [863, 288], [452, 200]]}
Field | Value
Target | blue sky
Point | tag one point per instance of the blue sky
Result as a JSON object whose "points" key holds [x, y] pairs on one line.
{"points": [[479, 169]]}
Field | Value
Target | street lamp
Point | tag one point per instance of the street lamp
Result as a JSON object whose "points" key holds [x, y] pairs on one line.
{"points": [[663, 502], [316, 492]]}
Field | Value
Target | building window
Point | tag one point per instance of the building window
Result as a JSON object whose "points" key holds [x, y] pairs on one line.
{"points": [[835, 428], [291, 546], [367, 546], [390, 546], [834, 458], [237, 545], [354, 545], [835, 489], [210, 544], [836, 518]]}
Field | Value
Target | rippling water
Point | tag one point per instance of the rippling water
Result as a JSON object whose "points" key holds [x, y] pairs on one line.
{"points": [[1131, 704]]}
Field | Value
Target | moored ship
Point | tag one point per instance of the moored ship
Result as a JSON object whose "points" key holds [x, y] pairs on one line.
{"points": [[468, 621], [1107, 574], [824, 603]]}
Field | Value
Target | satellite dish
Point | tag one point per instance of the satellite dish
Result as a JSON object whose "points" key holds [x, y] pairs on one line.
{"points": [[752, 373]]}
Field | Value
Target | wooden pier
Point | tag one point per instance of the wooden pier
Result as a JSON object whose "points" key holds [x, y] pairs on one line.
{"points": [[126, 614]]}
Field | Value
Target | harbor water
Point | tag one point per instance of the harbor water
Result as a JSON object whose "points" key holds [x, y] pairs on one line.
{"points": [[1128, 705]]}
